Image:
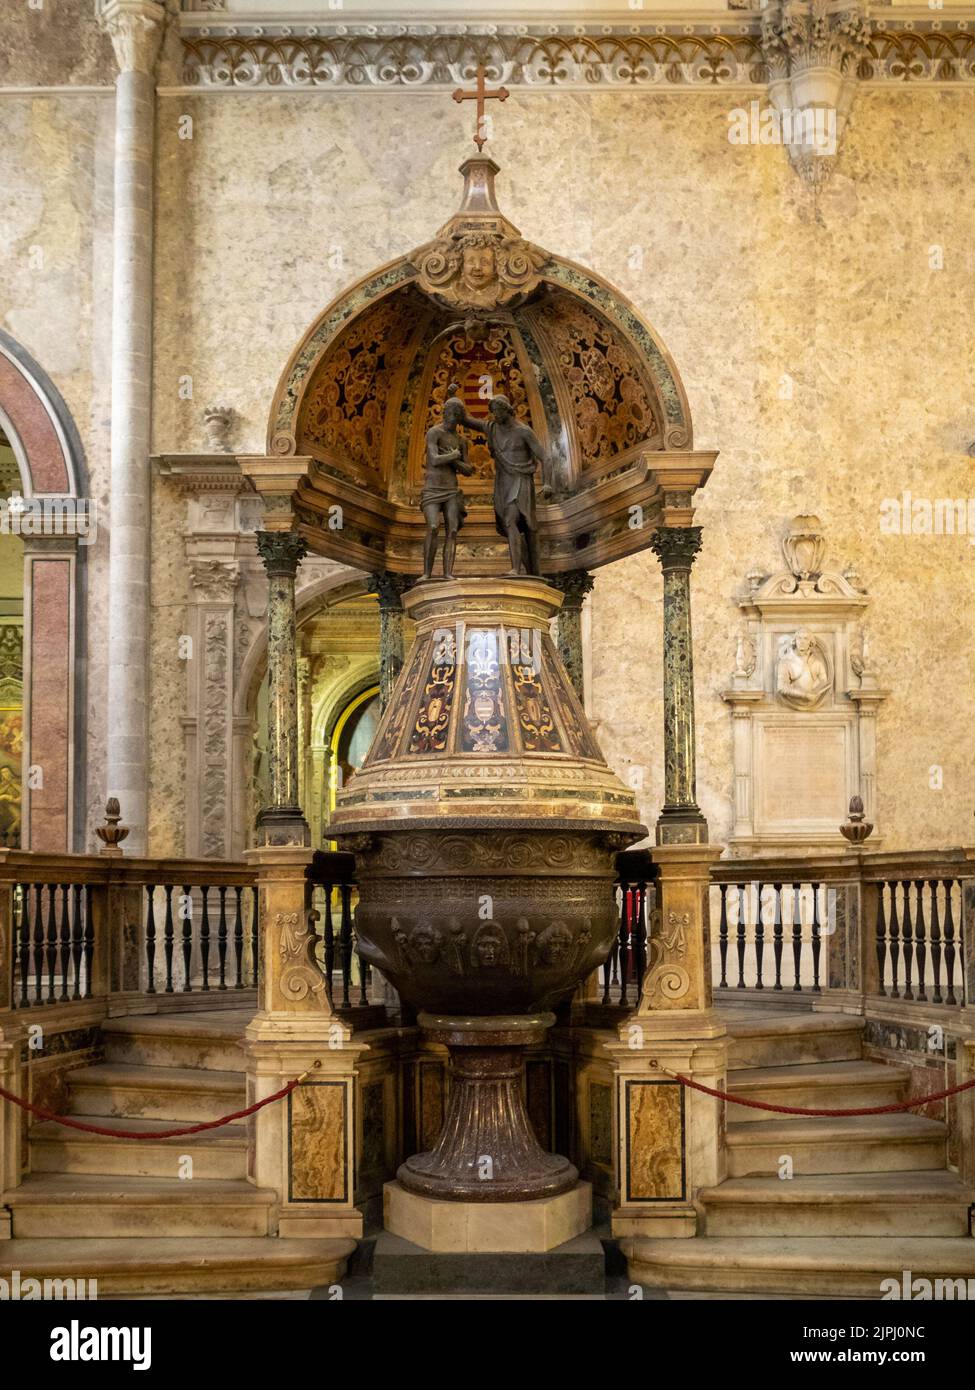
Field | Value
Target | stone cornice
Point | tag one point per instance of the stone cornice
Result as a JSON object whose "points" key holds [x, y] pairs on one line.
{"points": [[699, 50], [203, 472]]}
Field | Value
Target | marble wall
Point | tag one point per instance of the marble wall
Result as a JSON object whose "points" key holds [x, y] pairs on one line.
{"points": [[822, 353]]}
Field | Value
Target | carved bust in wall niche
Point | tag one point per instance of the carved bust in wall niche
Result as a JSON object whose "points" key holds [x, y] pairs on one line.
{"points": [[803, 677]]}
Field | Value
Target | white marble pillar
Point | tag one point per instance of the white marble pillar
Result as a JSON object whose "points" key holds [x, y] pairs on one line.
{"points": [[135, 27]]}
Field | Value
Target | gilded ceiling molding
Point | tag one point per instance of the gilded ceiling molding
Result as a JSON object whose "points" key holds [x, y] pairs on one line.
{"points": [[742, 48]]}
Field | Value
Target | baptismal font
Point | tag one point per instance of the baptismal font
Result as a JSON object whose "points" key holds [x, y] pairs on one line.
{"points": [[485, 824]]}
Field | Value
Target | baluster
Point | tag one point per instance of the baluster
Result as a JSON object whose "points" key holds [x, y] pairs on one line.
{"points": [[329, 952], [255, 936], [895, 949], [796, 937], [759, 938], [624, 943], [920, 937], [38, 943], [723, 936], [935, 941], [24, 945], [239, 936], [345, 942], [205, 938], [907, 941], [222, 938], [816, 943], [777, 935], [639, 939], [742, 927], [151, 937], [168, 938], [77, 941], [949, 942], [65, 941], [52, 939], [89, 944], [881, 941], [186, 912]]}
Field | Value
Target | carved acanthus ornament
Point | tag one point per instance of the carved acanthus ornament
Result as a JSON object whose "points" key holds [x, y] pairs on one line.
{"points": [[135, 28], [214, 580], [814, 49], [301, 976]]}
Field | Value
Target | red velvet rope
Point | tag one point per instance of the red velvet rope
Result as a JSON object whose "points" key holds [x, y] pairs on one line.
{"points": [[801, 1110], [156, 1133]]}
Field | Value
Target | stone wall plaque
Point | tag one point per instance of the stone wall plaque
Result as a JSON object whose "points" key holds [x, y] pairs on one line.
{"points": [[804, 704]]}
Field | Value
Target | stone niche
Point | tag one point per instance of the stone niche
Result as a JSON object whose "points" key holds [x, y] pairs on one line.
{"points": [[804, 703]]}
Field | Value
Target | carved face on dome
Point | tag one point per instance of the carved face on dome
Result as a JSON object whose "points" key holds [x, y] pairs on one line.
{"points": [[479, 266]]}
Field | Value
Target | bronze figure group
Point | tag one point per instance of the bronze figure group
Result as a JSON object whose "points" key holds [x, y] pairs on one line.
{"points": [[516, 452]]}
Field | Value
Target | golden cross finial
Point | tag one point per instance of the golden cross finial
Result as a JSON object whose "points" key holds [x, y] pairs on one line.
{"points": [[481, 94]]}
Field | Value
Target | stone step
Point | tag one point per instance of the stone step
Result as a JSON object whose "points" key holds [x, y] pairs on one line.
{"points": [[216, 1153], [576, 1267], [212, 1041], [874, 1144], [125, 1267], [849, 1204], [853, 1268], [88, 1205], [166, 1093], [766, 1040], [818, 1085]]}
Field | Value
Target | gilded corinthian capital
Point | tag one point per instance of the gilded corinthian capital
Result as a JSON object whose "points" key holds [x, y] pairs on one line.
{"points": [[135, 28]]}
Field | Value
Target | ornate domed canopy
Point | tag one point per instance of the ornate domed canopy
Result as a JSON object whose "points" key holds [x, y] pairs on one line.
{"points": [[481, 308]]}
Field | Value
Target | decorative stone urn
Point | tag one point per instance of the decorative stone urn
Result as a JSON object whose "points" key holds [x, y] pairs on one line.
{"points": [[485, 824]]}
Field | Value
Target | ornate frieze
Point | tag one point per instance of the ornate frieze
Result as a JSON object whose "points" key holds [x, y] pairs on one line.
{"points": [[737, 50]]}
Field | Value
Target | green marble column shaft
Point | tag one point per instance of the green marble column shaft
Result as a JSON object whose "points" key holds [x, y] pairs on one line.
{"points": [[574, 584], [389, 588], [281, 821], [680, 821]]}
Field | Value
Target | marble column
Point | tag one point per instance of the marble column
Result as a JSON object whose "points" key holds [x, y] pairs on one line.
{"points": [[281, 822], [390, 588], [680, 821], [135, 28], [304, 734], [574, 585]]}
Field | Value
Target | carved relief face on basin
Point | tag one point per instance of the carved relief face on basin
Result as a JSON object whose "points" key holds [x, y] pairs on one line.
{"points": [[555, 944], [489, 947], [425, 942]]}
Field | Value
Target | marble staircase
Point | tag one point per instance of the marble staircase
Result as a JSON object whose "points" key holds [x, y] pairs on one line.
{"points": [[118, 1211], [869, 1197]]}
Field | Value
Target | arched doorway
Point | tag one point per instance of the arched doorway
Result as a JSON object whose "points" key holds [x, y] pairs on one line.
{"points": [[46, 525], [338, 687]]}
